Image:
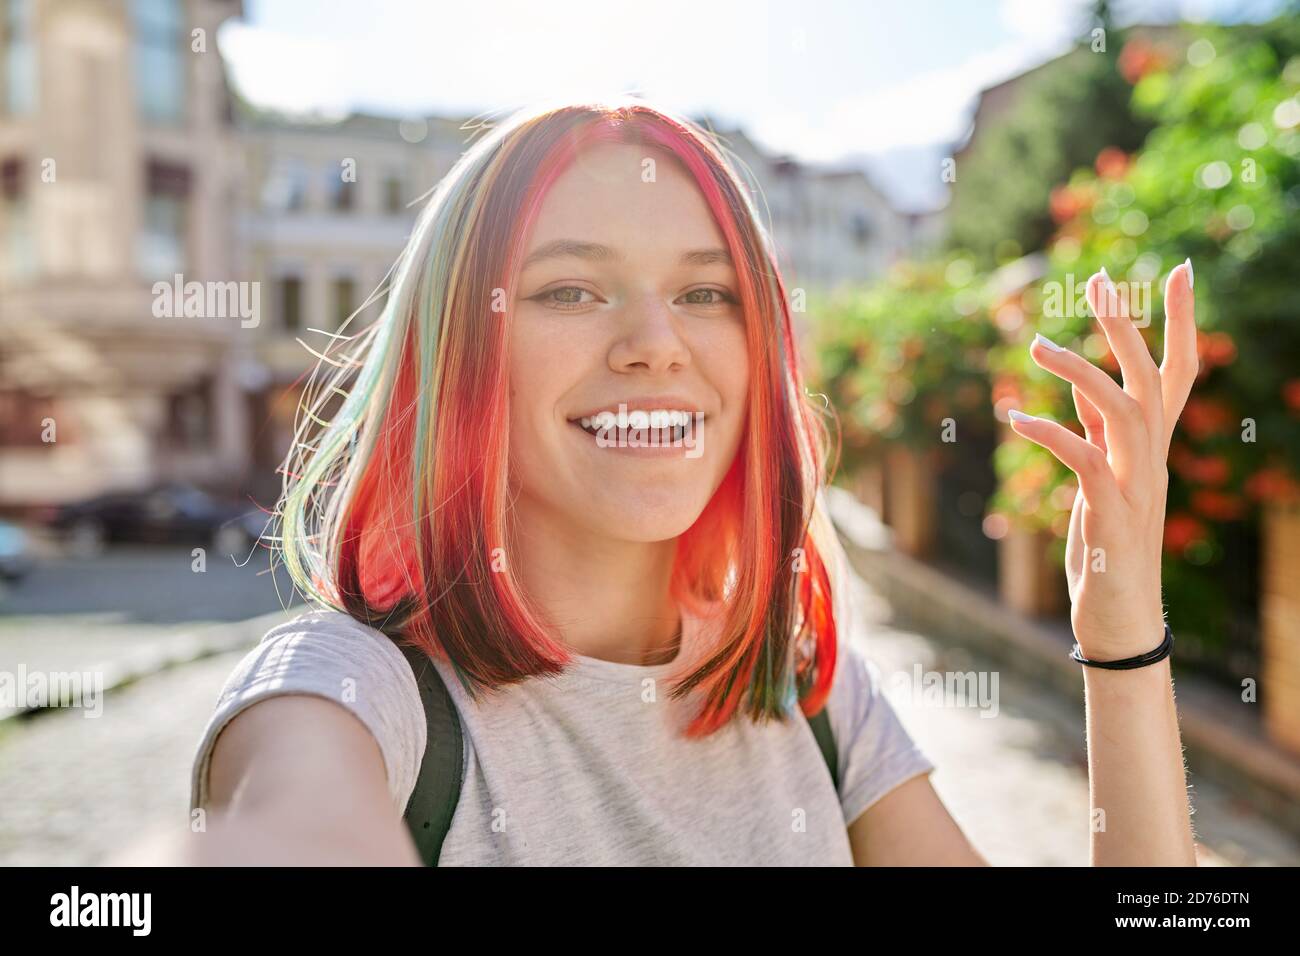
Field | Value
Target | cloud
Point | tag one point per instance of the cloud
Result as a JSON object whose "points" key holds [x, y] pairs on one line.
{"points": [[292, 72], [933, 107]]}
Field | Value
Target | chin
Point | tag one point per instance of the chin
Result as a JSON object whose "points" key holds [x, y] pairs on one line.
{"points": [[661, 513]]}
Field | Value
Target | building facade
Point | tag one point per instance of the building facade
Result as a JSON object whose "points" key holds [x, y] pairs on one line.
{"points": [[130, 177], [118, 161]]}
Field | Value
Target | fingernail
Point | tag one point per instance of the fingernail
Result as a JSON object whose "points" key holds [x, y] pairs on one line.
{"points": [[1191, 279], [1018, 416], [1106, 275], [1047, 343]]}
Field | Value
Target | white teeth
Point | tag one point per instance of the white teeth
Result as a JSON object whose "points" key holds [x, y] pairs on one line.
{"points": [[660, 418]]}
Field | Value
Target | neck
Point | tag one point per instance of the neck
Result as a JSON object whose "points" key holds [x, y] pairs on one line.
{"points": [[608, 599]]}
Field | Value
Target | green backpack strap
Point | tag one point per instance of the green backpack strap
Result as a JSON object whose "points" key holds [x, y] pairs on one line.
{"points": [[821, 728], [442, 770]]}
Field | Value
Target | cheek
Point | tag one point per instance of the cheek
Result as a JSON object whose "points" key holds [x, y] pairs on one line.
{"points": [[729, 369], [545, 365]]}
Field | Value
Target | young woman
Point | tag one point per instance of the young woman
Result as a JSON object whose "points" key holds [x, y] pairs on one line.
{"points": [[574, 466]]}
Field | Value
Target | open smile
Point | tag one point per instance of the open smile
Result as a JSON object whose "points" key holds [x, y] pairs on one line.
{"points": [[644, 433]]}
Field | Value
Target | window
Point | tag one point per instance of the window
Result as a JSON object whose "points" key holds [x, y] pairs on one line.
{"points": [[860, 228], [159, 59], [18, 55], [17, 250], [345, 299], [291, 303], [161, 249], [341, 192], [285, 189], [393, 195], [189, 417], [22, 420]]}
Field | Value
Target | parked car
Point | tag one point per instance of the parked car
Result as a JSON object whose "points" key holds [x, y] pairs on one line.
{"points": [[165, 514], [16, 554]]}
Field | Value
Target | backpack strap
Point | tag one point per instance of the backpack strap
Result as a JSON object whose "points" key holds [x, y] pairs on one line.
{"points": [[821, 728], [442, 770]]}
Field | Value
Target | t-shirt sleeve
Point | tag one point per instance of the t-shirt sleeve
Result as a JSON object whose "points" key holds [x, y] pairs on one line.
{"points": [[328, 654], [875, 751]]}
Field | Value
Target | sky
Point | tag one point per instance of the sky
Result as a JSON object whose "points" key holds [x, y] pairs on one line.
{"points": [[889, 86]]}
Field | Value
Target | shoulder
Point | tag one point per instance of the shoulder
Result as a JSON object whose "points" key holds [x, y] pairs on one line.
{"points": [[328, 654]]}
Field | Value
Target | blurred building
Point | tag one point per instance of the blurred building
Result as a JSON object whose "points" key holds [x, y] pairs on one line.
{"points": [[325, 210], [118, 167], [130, 175], [832, 226]]}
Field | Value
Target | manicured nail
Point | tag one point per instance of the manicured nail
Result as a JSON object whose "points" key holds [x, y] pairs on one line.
{"points": [[1106, 275], [1018, 416], [1191, 279], [1047, 343]]}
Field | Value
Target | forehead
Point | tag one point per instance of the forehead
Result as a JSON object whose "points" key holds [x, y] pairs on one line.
{"points": [[633, 198]]}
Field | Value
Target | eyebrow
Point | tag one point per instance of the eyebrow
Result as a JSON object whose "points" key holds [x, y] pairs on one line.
{"points": [[595, 252]]}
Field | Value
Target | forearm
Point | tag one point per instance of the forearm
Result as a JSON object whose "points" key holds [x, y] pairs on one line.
{"points": [[273, 837], [1138, 784]]}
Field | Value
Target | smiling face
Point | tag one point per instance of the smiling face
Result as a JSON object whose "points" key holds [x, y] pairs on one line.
{"points": [[627, 297]]}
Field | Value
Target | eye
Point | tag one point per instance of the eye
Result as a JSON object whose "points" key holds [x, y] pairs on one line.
{"points": [[708, 297], [565, 298]]}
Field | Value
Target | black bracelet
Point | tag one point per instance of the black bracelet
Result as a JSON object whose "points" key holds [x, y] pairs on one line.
{"points": [[1159, 654]]}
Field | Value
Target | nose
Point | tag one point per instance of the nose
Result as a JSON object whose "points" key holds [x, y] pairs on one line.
{"points": [[650, 339]]}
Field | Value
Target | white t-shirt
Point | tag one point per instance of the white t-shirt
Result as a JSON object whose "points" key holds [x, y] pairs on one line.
{"points": [[590, 768]]}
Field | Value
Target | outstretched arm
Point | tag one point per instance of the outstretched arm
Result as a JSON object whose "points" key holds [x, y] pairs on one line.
{"points": [[1140, 813]]}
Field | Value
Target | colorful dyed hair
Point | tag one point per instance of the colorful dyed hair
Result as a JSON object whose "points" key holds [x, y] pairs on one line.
{"points": [[395, 506]]}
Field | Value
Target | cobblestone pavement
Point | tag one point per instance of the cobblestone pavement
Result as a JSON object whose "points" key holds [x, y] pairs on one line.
{"points": [[77, 790], [120, 611]]}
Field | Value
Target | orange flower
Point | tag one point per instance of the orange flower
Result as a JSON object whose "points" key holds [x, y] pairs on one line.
{"points": [[1064, 204], [1182, 530], [1112, 163], [1206, 417], [1272, 484], [1216, 348], [1217, 505], [1213, 470], [1291, 394], [1005, 388], [1138, 58]]}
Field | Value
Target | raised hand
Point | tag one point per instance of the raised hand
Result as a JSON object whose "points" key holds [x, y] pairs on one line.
{"points": [[1117, 525]]}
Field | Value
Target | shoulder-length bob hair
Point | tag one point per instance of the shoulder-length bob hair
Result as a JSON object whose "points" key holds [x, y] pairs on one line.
{"points": [[395, 506]]}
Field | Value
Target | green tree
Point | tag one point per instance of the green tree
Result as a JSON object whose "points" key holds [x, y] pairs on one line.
{"points": [[1062, 114]]}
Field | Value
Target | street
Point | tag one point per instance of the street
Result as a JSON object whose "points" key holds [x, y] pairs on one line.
{"points": [[77, 790]]}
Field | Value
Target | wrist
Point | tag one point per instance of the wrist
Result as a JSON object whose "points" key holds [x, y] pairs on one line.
{"points": [[1122, 642]]}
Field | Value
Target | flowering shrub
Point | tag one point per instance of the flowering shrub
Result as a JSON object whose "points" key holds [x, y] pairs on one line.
{"points": [[1218, 180], [902, 357]]}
